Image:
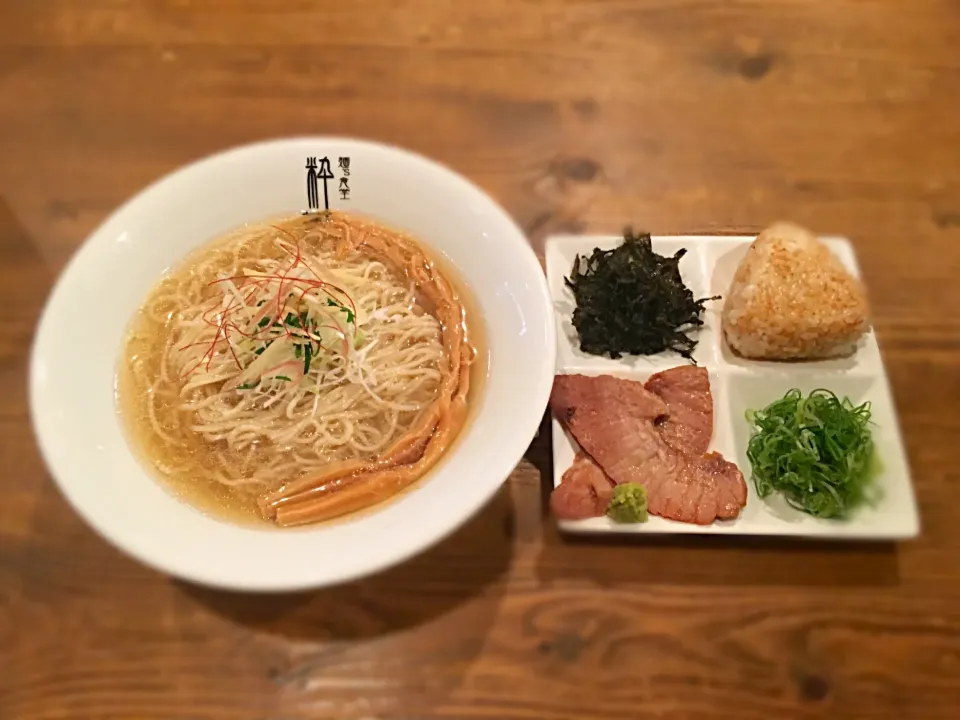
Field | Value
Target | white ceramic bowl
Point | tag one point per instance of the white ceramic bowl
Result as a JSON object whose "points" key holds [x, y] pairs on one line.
{"points": [[77, 347]]}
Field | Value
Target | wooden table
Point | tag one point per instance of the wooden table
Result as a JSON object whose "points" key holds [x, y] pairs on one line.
{"points": [[674, 116]]}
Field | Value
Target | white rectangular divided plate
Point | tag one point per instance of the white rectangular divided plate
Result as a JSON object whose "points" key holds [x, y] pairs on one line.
{"points": [[738, 385]]}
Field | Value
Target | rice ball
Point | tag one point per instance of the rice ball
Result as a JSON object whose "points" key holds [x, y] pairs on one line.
{"points": [[792, 299]]}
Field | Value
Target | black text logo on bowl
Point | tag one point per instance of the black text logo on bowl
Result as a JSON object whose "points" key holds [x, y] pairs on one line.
{"points": [[323, 172]]}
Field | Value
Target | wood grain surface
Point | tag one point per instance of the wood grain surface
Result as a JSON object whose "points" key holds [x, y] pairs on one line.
{"points": [[674, 115]]}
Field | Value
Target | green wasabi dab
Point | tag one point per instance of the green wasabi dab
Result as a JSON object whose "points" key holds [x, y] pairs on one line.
{"points": [[629, 504]]}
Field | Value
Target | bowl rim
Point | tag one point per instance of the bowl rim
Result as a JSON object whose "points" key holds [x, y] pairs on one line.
{"points": [[528, 422]]}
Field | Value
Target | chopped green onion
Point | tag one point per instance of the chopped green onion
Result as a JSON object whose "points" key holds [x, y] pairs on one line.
{"points": [[263, 322], [297, 351], [307, 353], [281, 377], [248, 386], [816, 450], [343, 308]]}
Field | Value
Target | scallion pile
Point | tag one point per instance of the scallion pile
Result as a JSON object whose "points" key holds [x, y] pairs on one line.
{"points": [[817, 451]]}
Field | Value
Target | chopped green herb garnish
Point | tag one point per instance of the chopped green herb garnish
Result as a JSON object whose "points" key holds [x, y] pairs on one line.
{"points": [[281, 377], [263, 322], [259, 351], [307, 354], [292, 320], [248, 386], [343, 308], [262, 302], [630, 300], [816, 450], [297, 351]]}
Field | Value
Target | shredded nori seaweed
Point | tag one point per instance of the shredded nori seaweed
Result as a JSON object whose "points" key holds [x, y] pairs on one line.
{"points": [[632, 301]]}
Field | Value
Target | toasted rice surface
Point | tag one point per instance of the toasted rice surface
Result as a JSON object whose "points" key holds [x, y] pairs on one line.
{"points": [[792, 298]]}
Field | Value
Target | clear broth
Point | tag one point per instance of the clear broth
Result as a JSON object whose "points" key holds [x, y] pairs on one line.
{"points": [[222, 501]]}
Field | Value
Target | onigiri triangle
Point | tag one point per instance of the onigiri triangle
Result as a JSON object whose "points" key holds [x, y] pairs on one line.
{"points": [[792, 299]]}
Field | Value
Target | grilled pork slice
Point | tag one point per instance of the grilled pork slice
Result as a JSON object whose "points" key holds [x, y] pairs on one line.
{"points": [[583, 492], [614, 421], [688, 426]]}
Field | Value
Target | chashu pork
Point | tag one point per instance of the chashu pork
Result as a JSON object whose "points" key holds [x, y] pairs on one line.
{"points": [[583, 492], [685, 390], [626, 429]]}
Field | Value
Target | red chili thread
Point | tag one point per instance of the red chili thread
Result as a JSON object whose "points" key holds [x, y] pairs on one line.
{"points": [[260, 281]]}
